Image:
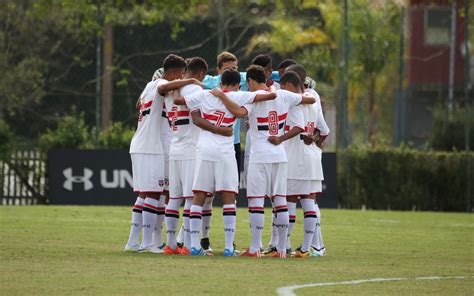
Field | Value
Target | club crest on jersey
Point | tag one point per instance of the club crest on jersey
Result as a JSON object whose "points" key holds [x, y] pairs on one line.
{"points": [[161, 182]]}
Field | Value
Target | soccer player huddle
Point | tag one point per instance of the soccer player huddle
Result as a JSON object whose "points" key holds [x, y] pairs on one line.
{"points": [[184, 149]]}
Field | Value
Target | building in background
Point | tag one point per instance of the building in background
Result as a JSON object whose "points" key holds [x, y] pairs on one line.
{"points": [[428, 37]]}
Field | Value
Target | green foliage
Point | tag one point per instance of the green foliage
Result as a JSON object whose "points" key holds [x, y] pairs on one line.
{"points": [[405, 179], [117, 136], [448, 134], [6, 138], [71, 132]]}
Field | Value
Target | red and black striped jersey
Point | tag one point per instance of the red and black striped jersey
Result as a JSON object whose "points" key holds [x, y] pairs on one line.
{"points": [[148, 136], [214, 147], [268, 119], [185, 132]]}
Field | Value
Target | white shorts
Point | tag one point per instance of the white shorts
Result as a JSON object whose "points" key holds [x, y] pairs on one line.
{"points": [[166, 158], [266, 180], [303, 187], [181, 178], [216, 176], [148, 172]]}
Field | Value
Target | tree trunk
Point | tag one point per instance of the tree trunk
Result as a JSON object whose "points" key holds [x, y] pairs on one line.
{"points": [[107, 79], [372, 115]]}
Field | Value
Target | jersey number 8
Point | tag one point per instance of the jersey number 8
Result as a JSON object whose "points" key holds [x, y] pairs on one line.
{"points": [[273, 123]]}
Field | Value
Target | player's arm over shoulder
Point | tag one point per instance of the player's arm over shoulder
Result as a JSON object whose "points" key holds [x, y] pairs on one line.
{"points": [[232, 106]]}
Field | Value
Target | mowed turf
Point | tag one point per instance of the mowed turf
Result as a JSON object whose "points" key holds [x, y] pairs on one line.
{"points": [[78, 250]]}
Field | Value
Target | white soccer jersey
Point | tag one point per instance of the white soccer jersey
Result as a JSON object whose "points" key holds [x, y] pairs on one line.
{"points": [[268, 119], [320, 124], [185, 132], [148, 136], [214, 147], [167, 135], [304, 161]]}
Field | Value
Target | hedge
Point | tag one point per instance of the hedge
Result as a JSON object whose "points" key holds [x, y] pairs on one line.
{"points": [[404, 179]]}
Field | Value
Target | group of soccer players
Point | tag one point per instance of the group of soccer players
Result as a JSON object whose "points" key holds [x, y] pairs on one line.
{"points": [[184, 149]]}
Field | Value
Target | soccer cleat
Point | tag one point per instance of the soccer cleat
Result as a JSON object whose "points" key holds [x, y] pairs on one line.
{"points": [[151, 249], [288, 251], [200, 252], [206, 244], [270, 250], [317, 253], [230, 253], [169, 251], [129, 248], [279, 255], [300, 254], [184, 251], [247, 253], [180, 245]]}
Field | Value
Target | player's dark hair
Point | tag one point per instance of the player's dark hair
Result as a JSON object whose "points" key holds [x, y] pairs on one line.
{"points": [[196, 65], [230, 77], [263, 60], [173, 61], [292, 78], [256, 73], [225, 57], [299, 70], [286, 63]]}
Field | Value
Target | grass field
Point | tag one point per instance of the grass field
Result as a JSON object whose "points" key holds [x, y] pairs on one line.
{"points": [[78, 250]]}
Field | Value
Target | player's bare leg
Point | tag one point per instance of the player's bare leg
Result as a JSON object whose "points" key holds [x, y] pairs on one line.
{"points": [[229, 213], [133, 243]]}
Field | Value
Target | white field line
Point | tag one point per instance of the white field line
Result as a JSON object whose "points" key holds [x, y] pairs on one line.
{"points": [[290, 290]]}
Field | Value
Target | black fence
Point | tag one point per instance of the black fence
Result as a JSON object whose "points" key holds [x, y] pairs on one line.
{"points": [[23, 178]]}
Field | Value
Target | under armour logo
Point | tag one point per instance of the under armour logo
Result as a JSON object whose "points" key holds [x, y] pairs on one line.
{"points": [[70, 179]]}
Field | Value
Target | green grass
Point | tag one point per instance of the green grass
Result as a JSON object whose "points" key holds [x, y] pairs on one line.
{"points": [[78, 250]]}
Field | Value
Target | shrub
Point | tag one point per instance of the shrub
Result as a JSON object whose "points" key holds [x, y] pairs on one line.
{"points": [[71, 132], [405, 179], [448, 134], [117, 136]]}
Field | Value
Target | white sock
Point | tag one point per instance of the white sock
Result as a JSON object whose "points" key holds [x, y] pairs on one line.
{"points": [[180, 235], [257, 220], [150, 208], [186, 226], [195, 226], [172, 219], [318, 237], [160, 218], [281, 222], [137, 223], [292, 220], [274, 234], [310, 219], [229, 213], [206, 217]]}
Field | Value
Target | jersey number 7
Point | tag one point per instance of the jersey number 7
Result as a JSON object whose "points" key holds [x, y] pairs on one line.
{"points": [[220, 117]]}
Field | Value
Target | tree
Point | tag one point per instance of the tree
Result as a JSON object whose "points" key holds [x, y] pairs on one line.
{"points": [[311, 32]]}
